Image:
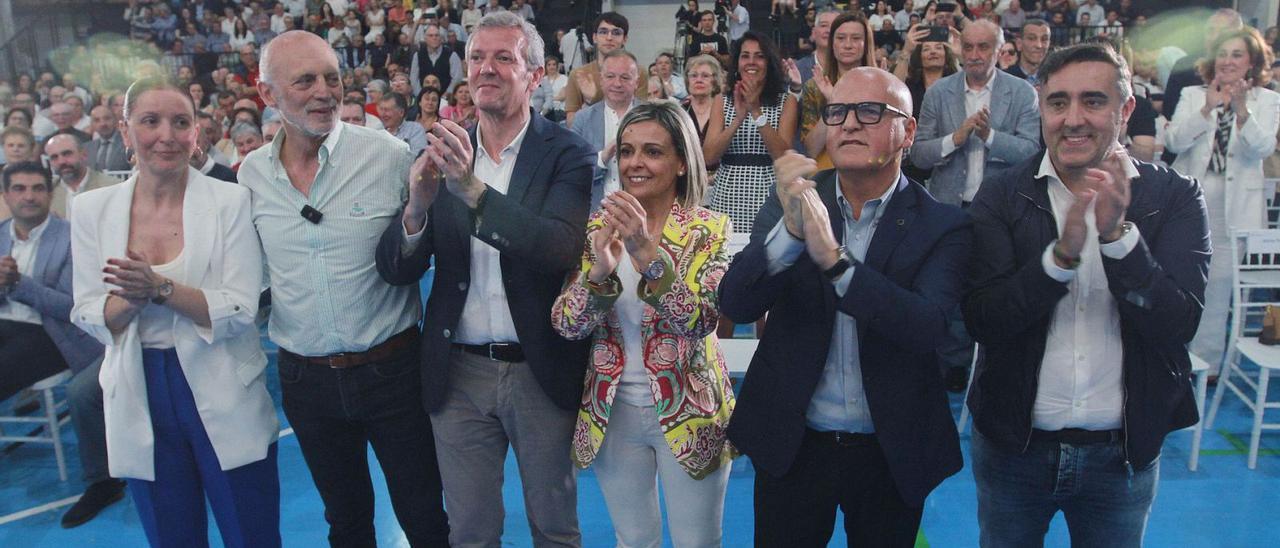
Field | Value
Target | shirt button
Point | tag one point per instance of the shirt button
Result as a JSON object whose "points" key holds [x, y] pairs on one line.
{"points": [[462, 286], [447, 333]]}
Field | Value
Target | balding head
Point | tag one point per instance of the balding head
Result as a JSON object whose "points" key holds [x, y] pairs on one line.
{"points": [[866, 145], [104, 121], [280, 51], [298, 75]]}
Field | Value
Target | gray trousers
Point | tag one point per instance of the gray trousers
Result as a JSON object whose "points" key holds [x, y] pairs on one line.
{"points": [[491, 405], [84, 395]]}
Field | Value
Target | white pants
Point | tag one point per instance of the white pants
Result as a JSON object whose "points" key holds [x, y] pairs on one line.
{"points": [[632, 459], [1211, 338]]}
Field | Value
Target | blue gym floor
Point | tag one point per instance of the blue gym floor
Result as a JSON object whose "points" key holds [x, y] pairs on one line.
{"points": [[1222, 504]]}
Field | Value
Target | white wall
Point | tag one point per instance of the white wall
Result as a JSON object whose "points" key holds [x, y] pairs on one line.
{"points": [[653, 26], [1264, 11]]}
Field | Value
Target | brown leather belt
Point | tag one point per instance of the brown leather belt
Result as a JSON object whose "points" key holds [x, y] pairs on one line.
{"points": [[379, 352]]}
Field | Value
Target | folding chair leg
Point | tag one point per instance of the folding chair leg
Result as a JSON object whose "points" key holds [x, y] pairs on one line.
{"points": [[55, 430], [1202, 389], [1259, 410], [1223, 377], [964, 404]]}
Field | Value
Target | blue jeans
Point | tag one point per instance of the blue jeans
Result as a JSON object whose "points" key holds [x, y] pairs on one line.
{"points": [[337, 414], [1019, 493]]}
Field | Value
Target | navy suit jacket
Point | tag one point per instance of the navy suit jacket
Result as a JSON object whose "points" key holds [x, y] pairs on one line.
{"points": [[900, 296], [48, 291], [539, 227]]}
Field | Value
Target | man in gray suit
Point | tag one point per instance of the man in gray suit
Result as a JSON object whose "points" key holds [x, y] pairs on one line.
{"points": [[975, 121], [106, 151], [70, 161], [37, 339], [598, 123]]}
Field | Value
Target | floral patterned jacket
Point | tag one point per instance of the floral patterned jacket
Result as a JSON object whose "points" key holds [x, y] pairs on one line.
{"points": [[687, 374]]}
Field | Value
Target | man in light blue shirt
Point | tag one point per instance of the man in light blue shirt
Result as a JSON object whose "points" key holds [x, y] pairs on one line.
{"points": [[323, 191]]}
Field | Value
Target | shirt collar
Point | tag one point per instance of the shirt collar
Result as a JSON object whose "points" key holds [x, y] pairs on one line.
{"points": [[879, 203], [1047, 169], [513, 147], [33, 236], [985, 87], [326, 148]]}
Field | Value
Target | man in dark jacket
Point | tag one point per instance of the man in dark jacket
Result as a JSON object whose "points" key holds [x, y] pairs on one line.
{"points": [[1086, 284]]}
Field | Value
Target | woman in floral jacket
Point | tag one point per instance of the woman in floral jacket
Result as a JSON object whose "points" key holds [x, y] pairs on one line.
{"points": [[646, 295]]}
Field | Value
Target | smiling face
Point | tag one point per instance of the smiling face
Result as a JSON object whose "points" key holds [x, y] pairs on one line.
{"points": [[859, 147], [1083, 114], [1034, 43], [620, 79], [501, 81], [752, 63], [700, 80], [848, 44], [648, 162], [1232, 62], [28, 197], [161, 130], [933, 55], [305, 85]]}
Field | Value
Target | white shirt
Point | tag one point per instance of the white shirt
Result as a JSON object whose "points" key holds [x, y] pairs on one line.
{"points": [[634, 388], [1081, 374], [486, 315], [277, 23], [155, 322], [1097, 16], [24, 253], [611, 121], [737, 29], [974, 148]]}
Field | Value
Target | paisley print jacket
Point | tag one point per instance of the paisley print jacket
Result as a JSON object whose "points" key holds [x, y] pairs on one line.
{"points": [[687, 375]]}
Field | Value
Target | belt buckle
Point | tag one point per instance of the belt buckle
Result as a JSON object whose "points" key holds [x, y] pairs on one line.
{"points": [[329, 360], [841, 438], [490, 347]]}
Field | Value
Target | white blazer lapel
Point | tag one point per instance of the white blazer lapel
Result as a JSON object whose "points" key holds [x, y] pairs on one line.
{"points": [[115, 235], [198, 227]]}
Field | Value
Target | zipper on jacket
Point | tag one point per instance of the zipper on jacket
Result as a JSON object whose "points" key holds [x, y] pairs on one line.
{"points": [[1031, 414]]}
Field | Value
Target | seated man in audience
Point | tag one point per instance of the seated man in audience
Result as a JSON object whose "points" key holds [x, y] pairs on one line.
{"points": [[64, 120], [1086, 284], [69, 161], [598, 124], [584, 87], [392, 110], [106, 150], [202, 157], [37, 339]]}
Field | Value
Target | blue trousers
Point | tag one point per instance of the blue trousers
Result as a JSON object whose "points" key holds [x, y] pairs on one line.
{"points": [[245, 501], [1019, 493]]}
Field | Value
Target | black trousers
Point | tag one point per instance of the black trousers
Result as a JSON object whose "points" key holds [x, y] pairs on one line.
{"points": [[798, 509], [27, 355]]}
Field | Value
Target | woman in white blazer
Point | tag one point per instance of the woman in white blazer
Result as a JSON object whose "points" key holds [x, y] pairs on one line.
{"points": [[167, 274], [1222, 132]]}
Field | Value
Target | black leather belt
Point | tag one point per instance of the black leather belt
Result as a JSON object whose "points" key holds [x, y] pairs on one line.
{"points": [[502, 352], [1076, 436], [848, 439]]}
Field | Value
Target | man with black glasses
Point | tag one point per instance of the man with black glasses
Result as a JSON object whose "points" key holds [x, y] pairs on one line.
{"points": [[843, 405], [585, 86]]}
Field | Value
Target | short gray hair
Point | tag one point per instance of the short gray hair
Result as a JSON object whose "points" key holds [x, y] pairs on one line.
{"points": [[243, 128], [534, 47], [266, 55]]}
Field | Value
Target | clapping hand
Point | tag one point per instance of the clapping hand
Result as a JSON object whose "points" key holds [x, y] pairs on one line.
{"points": [[791, 170], [1110, 185], [133, 276], [624, 212], [9, 274], [424, 186], [450, 150]]}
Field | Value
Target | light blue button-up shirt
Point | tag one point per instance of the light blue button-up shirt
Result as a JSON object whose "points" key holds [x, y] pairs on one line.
{"points": [[327, 296], [839, 403]]}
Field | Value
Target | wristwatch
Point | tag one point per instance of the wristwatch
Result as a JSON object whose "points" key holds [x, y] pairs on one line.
{"points": [[165, 291], [655, 270], [1125, 228], [842, 264]]}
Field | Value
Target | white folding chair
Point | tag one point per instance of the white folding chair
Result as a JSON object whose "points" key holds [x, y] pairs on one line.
{"points": [[1255, 258], [1200, 368], [51, 426], [738, 354]]}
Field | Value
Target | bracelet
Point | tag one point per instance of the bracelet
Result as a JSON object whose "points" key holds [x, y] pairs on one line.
{"points": [[1071, 262]]}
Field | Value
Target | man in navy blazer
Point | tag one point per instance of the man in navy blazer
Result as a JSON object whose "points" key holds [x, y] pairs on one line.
{"points": [[504, 228], [843, 405], [37, 338], [598, 123]]}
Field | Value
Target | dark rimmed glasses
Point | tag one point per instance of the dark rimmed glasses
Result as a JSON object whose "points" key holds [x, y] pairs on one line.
{"points": [[867, 113]]}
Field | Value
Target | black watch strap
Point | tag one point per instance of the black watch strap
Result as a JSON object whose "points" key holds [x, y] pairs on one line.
{"points": [[842, 264]]}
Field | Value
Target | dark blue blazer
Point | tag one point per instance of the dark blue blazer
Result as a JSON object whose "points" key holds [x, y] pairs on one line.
{"points": [[539, 227], [899, 296]]}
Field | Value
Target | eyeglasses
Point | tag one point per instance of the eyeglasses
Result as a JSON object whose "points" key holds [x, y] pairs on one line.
{"points": [[614, 31], [867, 113]]}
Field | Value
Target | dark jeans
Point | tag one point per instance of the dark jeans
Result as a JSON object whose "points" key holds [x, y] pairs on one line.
{"points": [[336, 414], [799, 508], [1018, 493], [84, 396], [27, 356]]}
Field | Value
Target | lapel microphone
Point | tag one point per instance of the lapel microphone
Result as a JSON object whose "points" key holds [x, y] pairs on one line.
{"points": [[312, 214]]}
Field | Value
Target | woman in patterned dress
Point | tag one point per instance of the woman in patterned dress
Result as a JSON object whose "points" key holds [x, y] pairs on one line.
{"points": [[646, 295], [754, 124]]}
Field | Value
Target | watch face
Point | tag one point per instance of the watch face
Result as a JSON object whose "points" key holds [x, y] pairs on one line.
{"points": [[655, 270]]}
